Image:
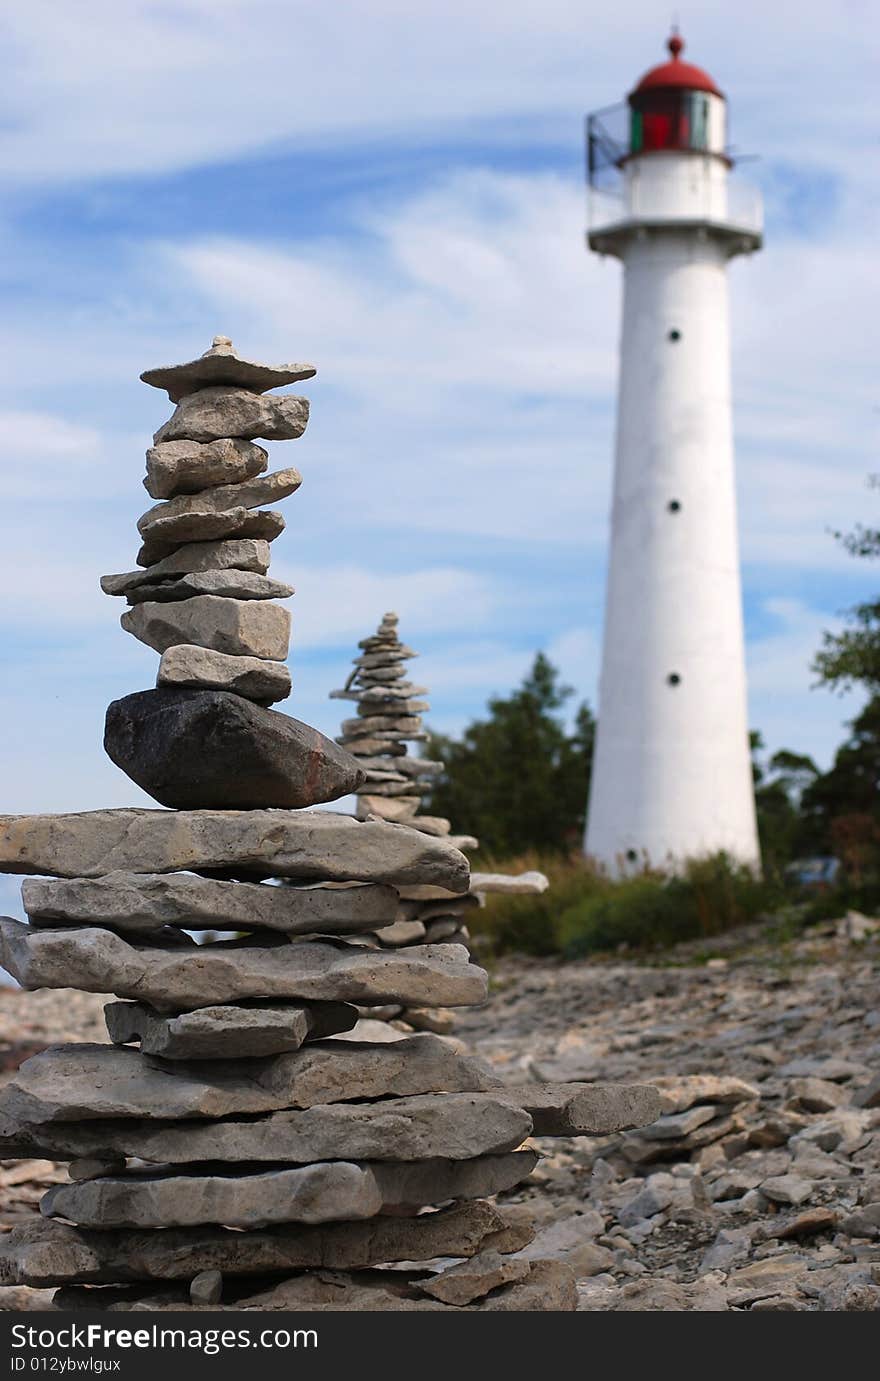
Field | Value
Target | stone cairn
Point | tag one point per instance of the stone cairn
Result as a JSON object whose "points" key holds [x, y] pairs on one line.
{"points": [[389, 717], [229, 1148]]}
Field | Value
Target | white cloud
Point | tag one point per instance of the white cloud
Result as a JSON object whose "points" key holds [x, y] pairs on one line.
{"points": [[478, 284], [117, 86]]}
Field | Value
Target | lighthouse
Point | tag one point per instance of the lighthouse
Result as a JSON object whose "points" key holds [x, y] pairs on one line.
{"points": [[672, 772]]}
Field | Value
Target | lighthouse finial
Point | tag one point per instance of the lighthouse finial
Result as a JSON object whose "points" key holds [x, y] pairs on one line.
{"points": [[675, 42]]}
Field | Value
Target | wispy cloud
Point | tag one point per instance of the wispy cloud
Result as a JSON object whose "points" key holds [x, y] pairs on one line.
{"points": [[107, 87]]}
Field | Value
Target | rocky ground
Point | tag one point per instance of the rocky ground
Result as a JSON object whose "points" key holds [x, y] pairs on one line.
{"points": [[759, 1188]]}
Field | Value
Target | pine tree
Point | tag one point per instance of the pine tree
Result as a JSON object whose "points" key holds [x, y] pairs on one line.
{"points": [[517, 779]]}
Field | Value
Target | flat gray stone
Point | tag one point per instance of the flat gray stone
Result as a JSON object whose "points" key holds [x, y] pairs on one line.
{"points": [[219, 412], [510, 884], [682, 1092], [187, 467], [94, 1167], [401, 933], [242, 554], [99, 961], [201, 668], [812, 1094], [390, 791], [406, 1184], [448, 1126], [325, 1192], [380, 725], [47, 1252], [320, 846], [392, 749], [394, 810], [371, 694], [786, 1189], [233, 584], [389, 656], [208, 749], [407, 709], [444, 928], [428, 910], [252, 493], [473, 1279], [224, 1033], [437, 1019], [678, 1124], [259, 524], [222, 366], [68, 1083], [436, 824], [241, 628], [145, 903], [201, 521], [549, 1287], [585, 1109], [406, 766], [382, 676]]}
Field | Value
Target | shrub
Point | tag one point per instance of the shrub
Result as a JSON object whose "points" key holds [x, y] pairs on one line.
{"points": [[585, 912], [529, 924]]}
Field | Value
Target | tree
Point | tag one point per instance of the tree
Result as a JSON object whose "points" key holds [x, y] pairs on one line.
{"points": [[841, 807], [517, 779], [853, 656], [778, 791]]}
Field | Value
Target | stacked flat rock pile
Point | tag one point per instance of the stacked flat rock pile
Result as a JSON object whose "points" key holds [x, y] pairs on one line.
{"points": [[389, 718], [202, 597], [227, 1147]]}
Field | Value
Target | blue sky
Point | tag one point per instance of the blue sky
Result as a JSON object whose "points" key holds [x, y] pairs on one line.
{"points": [[395, 192]]}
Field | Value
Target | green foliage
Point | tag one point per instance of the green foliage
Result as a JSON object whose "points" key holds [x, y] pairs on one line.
{"points": [[778, 791], [585, 912], [711, 896], [841, 807], [530, 924], [518, 779], [853, 657]]}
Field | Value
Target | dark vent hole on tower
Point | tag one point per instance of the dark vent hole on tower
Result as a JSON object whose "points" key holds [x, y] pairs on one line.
{"points": [[631, 855], [673, 679], [673, 335], [674, 506]]}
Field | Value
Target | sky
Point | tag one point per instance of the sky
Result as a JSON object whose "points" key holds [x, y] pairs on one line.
{"points": [[395, 192]]}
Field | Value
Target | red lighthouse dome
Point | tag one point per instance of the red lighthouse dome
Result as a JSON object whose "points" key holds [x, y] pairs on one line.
{"points": [[676, 107], [676, 74]]}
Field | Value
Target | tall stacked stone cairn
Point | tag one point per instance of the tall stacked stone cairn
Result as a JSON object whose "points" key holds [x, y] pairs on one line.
{"points": [[389, 718], [226, 1148]]}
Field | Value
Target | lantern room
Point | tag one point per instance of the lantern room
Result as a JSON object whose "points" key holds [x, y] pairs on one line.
{"points": [[677, 111], [676, 108]]}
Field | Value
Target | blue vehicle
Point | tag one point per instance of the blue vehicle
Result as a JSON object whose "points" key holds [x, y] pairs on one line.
{"points": [[813, 872]]}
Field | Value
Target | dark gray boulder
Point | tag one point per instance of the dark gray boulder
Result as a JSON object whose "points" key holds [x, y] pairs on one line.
{"points": [[212, 750]]}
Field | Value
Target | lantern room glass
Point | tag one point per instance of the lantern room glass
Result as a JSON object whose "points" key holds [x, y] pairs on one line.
{"points": [[670, 119]]}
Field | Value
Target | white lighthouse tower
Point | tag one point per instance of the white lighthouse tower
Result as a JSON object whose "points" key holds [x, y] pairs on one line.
{"points": [[672, 773]]}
